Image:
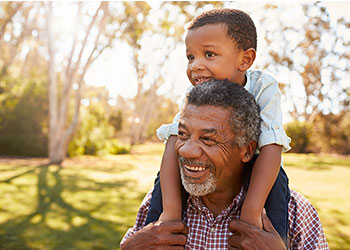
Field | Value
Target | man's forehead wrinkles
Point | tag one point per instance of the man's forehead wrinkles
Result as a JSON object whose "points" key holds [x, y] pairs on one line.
{"points": [[209, 130], [203, 130]]}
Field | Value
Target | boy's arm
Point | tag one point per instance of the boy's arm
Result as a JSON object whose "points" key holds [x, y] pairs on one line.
{"points": [[170, 183], [169, 171], [264, 174], [272, 141]]}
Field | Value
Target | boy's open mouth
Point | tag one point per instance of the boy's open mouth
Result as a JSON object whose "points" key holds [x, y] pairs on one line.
{"points": [[201, 80]]}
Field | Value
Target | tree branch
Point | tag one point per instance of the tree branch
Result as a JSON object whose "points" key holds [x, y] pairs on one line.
{"points": [[69, 82], [75, 120]]}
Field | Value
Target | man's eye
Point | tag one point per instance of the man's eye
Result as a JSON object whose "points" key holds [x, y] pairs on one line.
{"points": [[190, 57], [208, 140], [182, 135], [209, 54]]}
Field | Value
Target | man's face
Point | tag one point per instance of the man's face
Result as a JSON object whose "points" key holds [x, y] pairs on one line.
{"points": [[211, 53], [208, 160]]}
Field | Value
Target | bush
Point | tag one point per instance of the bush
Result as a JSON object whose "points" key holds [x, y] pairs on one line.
{"points": [[331, 132], [94, 135], [116, 148], [24, 118], [300, 133]]}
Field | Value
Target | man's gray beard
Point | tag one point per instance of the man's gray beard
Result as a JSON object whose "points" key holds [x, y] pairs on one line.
{"points": [[198, 189]]}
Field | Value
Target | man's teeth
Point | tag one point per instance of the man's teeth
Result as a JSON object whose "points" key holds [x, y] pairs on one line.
{"points": [[195, 168]]}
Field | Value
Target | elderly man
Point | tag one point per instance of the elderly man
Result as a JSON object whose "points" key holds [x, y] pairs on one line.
{"points": [[218, 130]]}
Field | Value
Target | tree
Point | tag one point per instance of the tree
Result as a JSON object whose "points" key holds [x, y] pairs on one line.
{"points": [[167, 33], [19, 28], [312, 51], [84, 51]]}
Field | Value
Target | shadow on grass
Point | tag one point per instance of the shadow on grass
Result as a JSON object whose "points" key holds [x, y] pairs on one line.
{"points": [[95, 221]]}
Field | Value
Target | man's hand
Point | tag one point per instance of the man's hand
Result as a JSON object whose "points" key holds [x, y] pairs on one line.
{"points": [[158, 235], [248, 237]]}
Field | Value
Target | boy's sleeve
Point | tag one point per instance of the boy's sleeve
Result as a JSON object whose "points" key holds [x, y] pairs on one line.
{"points": [[166, 130], [268, 97]]}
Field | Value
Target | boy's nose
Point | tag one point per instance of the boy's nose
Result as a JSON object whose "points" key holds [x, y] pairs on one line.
{"points": [[190, 150], [197, 65]]}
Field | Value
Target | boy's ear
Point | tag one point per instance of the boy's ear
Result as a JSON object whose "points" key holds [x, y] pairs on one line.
{"points": [[248, 151], [248, 57]]}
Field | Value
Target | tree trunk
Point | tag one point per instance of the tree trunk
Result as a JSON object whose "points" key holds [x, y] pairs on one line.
{"points": [[54, 155], [61, 132]]}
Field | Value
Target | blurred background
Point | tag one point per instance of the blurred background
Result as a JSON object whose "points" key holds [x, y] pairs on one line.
{"points": [[85, 85]]}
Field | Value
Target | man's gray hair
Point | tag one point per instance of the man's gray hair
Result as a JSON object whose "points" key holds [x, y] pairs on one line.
{"points": [[244, 112]]}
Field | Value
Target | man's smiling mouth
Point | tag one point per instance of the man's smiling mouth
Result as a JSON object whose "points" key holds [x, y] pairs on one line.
{"points": [[194, 168]]}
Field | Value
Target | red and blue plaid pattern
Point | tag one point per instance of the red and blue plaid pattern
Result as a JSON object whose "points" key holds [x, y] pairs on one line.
{"points": [[208, 232]]}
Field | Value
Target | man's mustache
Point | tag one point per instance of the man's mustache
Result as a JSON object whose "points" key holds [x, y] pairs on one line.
{"points": [[183, 161]]}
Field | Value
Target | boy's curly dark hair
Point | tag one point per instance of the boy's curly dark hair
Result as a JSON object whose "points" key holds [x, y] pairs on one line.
{"points": [[240, 27]]}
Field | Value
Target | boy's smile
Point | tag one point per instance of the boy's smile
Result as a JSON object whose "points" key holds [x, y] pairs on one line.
{"points": [[212, 53]]}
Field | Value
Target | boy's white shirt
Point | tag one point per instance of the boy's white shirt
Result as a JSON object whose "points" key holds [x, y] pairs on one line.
{"points": [[267, 95]]}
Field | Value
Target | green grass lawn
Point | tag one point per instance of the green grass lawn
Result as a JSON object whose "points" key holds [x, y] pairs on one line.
{"points": [[91, 201]]}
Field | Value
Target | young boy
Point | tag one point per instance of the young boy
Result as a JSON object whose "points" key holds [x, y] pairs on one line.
{"points": [[221, 44]]}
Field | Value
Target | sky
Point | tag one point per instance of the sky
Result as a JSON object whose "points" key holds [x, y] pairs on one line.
{"points": [[114, 68]]}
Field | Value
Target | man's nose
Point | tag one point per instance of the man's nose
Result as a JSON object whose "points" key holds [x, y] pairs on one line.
{"points": [[190, 150]]}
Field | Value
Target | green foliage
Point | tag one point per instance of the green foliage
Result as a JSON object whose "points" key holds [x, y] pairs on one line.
{"points": [[300, 132], [115, 148], [164, 113], [116, 120], [327, 133], [23, 118], [95, 134], [134, 22], [92, 134]]}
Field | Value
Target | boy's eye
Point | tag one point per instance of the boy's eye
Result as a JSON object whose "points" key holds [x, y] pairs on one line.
{"points": [[190, 57], [209, 54]]}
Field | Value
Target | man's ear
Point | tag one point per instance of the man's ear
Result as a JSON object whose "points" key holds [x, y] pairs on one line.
{"points": [[247, 59], [248, 151]]}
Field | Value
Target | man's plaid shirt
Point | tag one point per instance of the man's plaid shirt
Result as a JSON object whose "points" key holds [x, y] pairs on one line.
{"points": [[207, 232]]}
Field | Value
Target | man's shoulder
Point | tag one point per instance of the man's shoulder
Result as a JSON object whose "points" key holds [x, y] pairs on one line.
{"points": [[300, 204], [305, 228]]}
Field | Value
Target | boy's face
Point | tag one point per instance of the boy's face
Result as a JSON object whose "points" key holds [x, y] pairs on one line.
{"points": [[211, 53]]}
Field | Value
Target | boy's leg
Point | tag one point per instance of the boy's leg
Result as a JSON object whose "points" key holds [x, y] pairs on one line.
{"points": [[156, 206], [277, 205]]}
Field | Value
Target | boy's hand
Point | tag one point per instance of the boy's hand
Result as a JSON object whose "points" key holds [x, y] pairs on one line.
{"points": [[158, 235], [248, 237]]}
